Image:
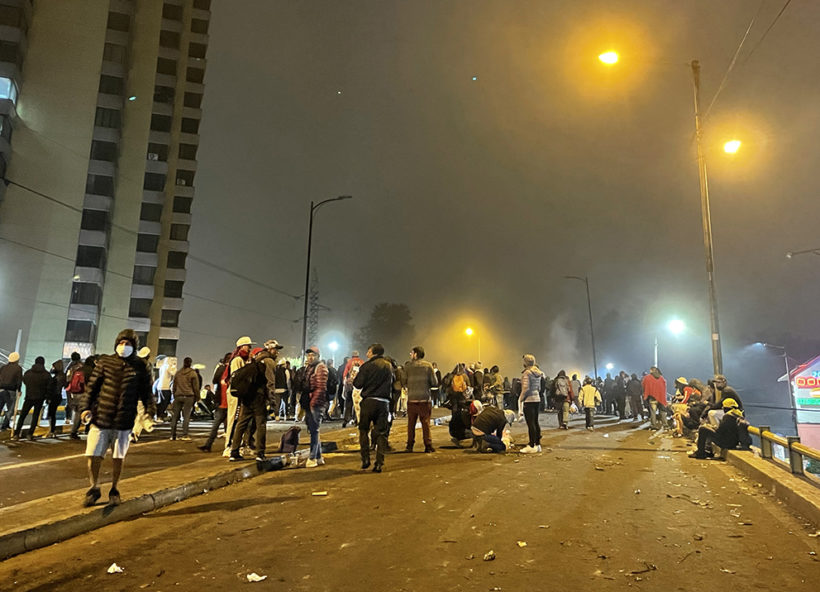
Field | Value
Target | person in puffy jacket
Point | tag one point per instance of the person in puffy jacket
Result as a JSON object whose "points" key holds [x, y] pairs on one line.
{"points": [[109, 403], [529, 402], [37, 381]]}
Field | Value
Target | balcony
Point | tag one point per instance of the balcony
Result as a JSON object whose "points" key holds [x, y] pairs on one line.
{"points": [[181, 218], [139, 324], [198, 13], [172, 25], [165, 80], [186, 165], [183, 190], [98, 202], [101, 167], [146, 259], [112, 69], [156, 137], [141, 291], [162, 108], [185, 138], [199, 38], [92, 238], [194, 87], [89, 275], [83, 312], [109, 101], [148, 227], [192, 112], [123, 6], [116, 37], [169, 333], [154, 197], [169, 53], [177, 245], [172, 303], [156, 166], [176, 275]]}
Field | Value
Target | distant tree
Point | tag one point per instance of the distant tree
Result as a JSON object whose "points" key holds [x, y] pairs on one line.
{"points": [[391, 325]]}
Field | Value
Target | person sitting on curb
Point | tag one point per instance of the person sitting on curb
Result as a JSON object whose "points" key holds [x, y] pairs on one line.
{"points": [[489, 429], [730, 432], [109, 403]]}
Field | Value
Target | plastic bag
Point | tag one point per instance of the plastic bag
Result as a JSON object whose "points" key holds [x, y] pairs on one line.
{"points": [[573, 408]]}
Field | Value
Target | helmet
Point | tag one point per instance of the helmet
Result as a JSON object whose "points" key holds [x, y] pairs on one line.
{"points": [[729, 404], [476, 407]]}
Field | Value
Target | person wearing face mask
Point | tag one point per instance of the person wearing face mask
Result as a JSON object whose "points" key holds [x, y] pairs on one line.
{"points": [[109, 403]]}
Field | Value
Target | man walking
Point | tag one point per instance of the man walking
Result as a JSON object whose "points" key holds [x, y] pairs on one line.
{"points": [[375, 379], [654, 392], [109, 403], [11, 379], [37, 381], [420, 379], [314, 402], [185, 389]]}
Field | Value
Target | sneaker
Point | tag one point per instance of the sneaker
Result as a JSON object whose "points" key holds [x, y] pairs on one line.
{"points": [[698, 455], [236, 458], [527, 450], [377, 468], [15, 438], [311, 463], [91, 496], [429, 449], [185, 438], [172, 438], [67, 422], [456, 441], [538, 448], [204, 448], [114, 497], [51, 435], [260, 458], [320, 460], [365, 465]]}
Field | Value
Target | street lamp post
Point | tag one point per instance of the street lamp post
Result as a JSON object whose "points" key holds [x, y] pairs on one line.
{"points": [[706, 219], [313, 208], [585, 279]]}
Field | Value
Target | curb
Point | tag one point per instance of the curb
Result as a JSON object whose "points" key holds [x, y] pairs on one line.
{"points": [[798, 493]]}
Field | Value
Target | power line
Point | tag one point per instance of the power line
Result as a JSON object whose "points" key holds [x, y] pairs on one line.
{"points": [[734, 60], [766, 32]]}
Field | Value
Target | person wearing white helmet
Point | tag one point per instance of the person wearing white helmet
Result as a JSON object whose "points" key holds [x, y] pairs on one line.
{"points": [[11, 379], [241, 354]]}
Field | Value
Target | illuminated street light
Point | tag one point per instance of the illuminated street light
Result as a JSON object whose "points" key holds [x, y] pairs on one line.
{"points": [[333, 345], [609, 58], [676, 326], [732, 146], [610, 366], [469, 332]]}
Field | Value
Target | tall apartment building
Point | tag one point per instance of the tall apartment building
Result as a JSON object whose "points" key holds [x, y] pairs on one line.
{"points": [[100, 103]]}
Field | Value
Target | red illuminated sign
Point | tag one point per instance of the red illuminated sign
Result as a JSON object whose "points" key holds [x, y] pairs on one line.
{"points": [[807, 382]]}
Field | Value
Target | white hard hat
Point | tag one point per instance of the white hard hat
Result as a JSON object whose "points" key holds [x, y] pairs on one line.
{"points": [[245, 340]]}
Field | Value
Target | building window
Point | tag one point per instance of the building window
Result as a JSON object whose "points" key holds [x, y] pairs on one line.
{"points": [[185, 178], [94, 220], [144, 275], [151, 212], [157, 152], [182, 205], [119, 22], [193, 100], [80, 331], [176, 260], [160, 123], [173, 289], [196, 75], [8, 89], [187, 151], [179, 232], [169, 39], [10, 52], [172, 12], [154, 182], [190, 126], [90, 257], [167, 347], [106, 151], [114, 53], [170, 318], [140, 308], [163, 94], [199, 26], [100, 185], [107, 118], [111, 85], [85, 293], [166, 66], [197, 50], [147, 243], [12, 16], [202, 4]]}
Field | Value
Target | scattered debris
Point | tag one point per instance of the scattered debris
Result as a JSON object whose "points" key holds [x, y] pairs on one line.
{"points": [[255, 577], [543, 526], [696, 502], [637, 491], [470, 556], [489, 555], [816, 534], [747, 523], [114, 568], [319, 493], [599, 468], [728, 571], [685, 557], [521, 544], [698, 537], [601, 574], [647, 568], [602, 556], [495, 589]]}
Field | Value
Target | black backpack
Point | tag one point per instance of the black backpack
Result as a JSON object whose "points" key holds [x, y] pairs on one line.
{"points": [[247, 381], [290, 440]]}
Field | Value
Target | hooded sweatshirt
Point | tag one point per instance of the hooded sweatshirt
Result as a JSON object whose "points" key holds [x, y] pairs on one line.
{"points": [[186, 383], [37, 380], [58, 382], [11, 377], [530, 385]]}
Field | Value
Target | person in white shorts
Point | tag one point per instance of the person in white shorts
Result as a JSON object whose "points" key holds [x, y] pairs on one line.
{"points": [[117, 383]]}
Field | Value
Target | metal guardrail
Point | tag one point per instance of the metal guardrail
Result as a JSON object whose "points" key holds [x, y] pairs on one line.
{"points": [[796, 451]]}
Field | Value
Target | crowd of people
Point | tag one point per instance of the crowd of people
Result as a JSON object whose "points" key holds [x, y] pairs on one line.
{"points": [[115, 397]]}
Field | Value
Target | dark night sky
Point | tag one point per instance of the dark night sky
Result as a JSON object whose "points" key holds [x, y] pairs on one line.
{"points": [[474, 198]]}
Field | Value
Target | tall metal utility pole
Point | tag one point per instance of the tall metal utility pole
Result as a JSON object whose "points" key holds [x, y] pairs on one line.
{"points": [[706, 216], [585, 279]]}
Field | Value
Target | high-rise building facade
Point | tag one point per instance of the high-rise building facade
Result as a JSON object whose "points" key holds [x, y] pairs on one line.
{"points": [[101, 104]]}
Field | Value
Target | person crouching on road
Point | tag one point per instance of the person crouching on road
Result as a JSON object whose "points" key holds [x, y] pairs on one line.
{"points": [[488, 429], [109, 403], [421, 378], [185, 389], [375, 379], [529, 401], [315, 402], [589, 398]]}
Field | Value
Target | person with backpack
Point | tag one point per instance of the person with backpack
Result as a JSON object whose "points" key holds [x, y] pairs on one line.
{"points": [[589, 398], [563, 396], [458, 403], [240, 355], [254, 384], [75, 364], [11, 379], [529, 402], [85, 373]]}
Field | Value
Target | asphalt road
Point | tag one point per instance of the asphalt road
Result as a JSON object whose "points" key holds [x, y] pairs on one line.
{"points": [[606, 510]]}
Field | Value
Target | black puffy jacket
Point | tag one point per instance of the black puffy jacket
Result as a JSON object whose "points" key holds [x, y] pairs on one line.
{"points": [[37, 380], [113, 389]]}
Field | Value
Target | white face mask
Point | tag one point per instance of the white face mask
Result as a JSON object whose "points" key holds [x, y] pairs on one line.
{"points": [[124, 351]]}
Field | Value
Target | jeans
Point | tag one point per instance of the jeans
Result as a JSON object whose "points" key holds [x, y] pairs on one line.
{"points": [[491, 442], [186, 405], [7, 403], [313, 419], [35, 407], [419, 410], [373, 411], [255, 410], [655, 409], [220, 417], [588, 415], [533, 427]]}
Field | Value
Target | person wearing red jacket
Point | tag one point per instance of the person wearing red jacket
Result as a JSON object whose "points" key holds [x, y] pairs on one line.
{"points": [[314, 401], [654, 392]]}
